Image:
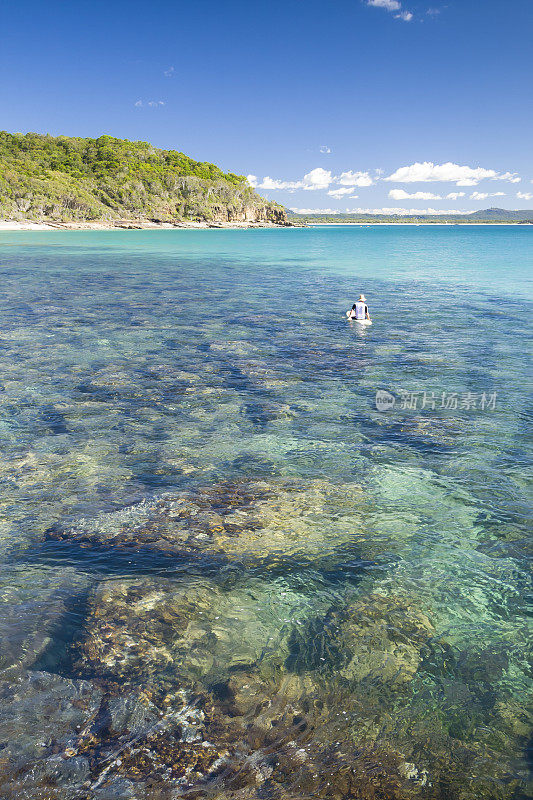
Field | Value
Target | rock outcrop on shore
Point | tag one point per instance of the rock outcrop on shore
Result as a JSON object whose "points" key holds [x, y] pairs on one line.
{"points": [[114, 182]]}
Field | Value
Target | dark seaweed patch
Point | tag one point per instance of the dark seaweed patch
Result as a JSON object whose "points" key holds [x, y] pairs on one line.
{"points": [[53, 420], [313, 646]]}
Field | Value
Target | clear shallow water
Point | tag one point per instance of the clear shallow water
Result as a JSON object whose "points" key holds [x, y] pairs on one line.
{"points": [[202, 508]]}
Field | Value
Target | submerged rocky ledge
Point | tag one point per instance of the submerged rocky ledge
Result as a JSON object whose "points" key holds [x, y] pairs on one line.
{"points": [[221, 683]]}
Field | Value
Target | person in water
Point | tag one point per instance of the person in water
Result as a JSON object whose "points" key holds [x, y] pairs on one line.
{"points": [[359, 310]]}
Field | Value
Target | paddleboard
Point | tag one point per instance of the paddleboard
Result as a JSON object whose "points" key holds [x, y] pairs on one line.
{"points": [[362, 321]]}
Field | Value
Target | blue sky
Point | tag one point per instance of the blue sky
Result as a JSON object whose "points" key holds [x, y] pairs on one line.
{"points": [[366, 104]]}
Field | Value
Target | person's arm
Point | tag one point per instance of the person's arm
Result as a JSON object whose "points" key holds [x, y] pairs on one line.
{"points": [[367, 314]]}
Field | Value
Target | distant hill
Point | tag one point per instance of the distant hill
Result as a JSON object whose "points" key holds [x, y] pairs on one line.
{"points": [[69, 179], [502, 215], [488, 215]]}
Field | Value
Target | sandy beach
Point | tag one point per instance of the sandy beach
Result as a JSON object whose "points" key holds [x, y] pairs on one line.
{"points": [[28, 225]]}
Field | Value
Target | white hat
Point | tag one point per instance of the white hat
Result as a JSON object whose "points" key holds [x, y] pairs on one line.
{"points": [[362, 297]]}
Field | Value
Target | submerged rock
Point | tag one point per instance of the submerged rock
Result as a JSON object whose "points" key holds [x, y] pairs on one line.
{"points": [[41, 715], [371, 639], [200, 691], [245, 519], [62, 739], [37, 615], [231, 651], [186, 631], [168, 745], [230, 646], [384, 636], [435, 431]]}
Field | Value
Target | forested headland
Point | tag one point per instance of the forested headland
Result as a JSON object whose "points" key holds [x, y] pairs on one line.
{"points": [[70, 179]]}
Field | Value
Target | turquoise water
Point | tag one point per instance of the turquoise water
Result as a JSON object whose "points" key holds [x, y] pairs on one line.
{"points": [[207, 522]]}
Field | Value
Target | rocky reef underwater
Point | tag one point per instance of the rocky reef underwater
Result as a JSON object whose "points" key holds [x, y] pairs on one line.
{"points": [[224, 573], [262, 670]]}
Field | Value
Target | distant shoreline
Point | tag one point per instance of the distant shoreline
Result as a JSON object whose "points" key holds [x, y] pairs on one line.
{"points": [[411, 224], [27, 225]]}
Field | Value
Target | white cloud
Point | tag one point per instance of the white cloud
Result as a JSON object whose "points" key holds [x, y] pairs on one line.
{"points": [[350, 178], [484, 195], [347, 191], [317, 179], [168, 73], [320, 178], [461, 175], [325, 149], [524, 195], [344, 185], [151, 103], [392, 6], [316, 210], [386, 211], [426, 171], [273, 183], [407, 211], [388, 5], [512, 177], [401, 194]]}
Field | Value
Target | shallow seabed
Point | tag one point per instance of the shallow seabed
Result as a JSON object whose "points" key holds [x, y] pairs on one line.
{"points": [[226, 573]]}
